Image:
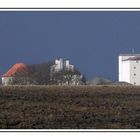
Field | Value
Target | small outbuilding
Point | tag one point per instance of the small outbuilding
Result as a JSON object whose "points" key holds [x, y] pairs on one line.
{"points": [[17, 75]]}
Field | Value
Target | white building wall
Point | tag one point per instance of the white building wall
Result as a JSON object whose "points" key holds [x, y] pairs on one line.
{"points": [[7, 80], [124, 69], [57, 65], [62, 64], [67, 64], [135, 72], [129, 70]]}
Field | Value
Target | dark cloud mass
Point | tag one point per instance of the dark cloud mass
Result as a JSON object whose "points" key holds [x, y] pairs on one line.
{"points": [[91, 40]]}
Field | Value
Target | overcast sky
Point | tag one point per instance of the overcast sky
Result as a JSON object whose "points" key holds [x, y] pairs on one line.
{"points": [[91, 40]]}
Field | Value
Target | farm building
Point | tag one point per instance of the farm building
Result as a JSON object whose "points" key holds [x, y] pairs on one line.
{"points": [[63, 73], [129, 68], [17, 75], [62, 64]]}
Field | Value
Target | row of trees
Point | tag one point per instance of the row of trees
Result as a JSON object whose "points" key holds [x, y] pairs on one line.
{"points": [[40, 74]]}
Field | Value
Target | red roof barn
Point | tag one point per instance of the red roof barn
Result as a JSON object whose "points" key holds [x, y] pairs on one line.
{"points": [[19, 69], [17, 75]]}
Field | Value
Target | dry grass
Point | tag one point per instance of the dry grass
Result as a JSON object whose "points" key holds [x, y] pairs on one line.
{"points": [[72, 107]]}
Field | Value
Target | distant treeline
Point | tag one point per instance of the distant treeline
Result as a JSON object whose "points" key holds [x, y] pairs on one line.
{"points": [[40, 74]]}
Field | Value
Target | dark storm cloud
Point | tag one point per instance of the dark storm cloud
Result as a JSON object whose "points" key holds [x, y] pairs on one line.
{"points": [[91, 40]]}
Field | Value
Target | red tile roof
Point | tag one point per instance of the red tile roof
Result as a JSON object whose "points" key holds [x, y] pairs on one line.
{"points": [[19, 69]]}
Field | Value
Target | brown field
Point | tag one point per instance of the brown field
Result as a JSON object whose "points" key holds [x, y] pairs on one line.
{"points": [[63, 107]]}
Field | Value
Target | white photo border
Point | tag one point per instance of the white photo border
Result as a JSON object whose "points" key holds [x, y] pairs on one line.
{"points": [[23, 8]]}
